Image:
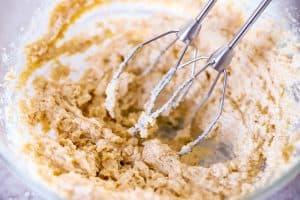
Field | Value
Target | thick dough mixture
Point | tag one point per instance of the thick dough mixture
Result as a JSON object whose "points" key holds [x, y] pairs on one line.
{"points": [[83, 153]]}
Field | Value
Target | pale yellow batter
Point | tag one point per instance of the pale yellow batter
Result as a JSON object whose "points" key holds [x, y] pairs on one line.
{"points": [[83, 153]]}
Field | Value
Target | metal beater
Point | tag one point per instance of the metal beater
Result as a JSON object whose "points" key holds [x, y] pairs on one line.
{"points": [[219, 60]]}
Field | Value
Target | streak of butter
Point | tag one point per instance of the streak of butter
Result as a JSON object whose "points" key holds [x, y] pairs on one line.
{"points": [[63, 17]]}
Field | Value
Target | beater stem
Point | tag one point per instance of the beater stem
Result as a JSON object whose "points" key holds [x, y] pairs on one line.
{"points": [[204, 12], [257, 13]]}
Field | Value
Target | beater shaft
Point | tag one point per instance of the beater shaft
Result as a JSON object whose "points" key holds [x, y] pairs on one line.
{"points": [[256, 14]]}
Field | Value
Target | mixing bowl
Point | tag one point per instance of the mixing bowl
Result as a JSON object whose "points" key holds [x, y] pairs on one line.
{"points": [[15, 18]]}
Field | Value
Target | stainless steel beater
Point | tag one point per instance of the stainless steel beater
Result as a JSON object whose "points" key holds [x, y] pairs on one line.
{"points": [[219, 60]]}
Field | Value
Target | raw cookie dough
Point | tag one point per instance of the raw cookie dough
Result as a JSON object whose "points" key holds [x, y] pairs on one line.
{"points": [[83, 153]]}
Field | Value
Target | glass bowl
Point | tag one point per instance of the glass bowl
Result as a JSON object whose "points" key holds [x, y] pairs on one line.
{"points": [[16, 16]]}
